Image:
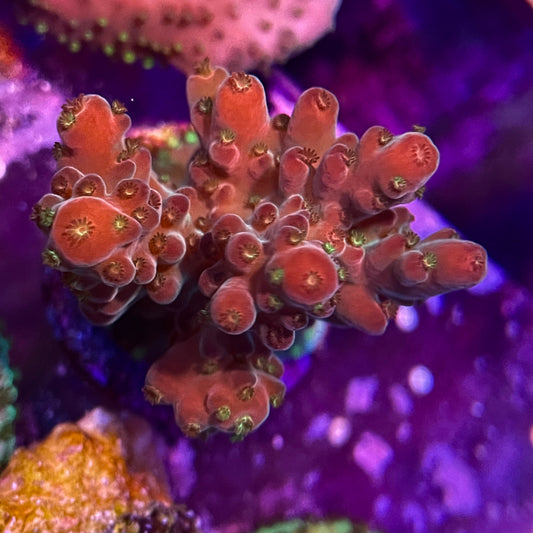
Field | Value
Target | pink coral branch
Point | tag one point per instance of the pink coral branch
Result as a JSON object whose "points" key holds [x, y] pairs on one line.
{"points": [[241, 34]]}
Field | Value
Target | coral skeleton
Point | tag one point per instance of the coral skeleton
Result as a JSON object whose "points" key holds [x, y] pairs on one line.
{"points": [[275, 222]]}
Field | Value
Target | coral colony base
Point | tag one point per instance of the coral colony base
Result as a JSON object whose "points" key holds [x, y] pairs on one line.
{"points": [[275, 223]]}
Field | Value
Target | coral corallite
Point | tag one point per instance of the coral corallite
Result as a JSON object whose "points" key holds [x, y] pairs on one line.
{"points": [[276, 222]]}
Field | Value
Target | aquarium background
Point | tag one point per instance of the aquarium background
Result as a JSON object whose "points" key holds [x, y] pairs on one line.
{"points": [[426, 428]]}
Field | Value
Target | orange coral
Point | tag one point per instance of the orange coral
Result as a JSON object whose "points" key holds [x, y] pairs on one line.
{"points": [[276, 223]]}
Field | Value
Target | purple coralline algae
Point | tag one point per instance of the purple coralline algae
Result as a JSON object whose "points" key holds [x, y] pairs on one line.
{"points": [[27, 108]]}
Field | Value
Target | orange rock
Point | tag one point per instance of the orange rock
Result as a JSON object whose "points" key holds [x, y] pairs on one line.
{"points": [[83, 477]]}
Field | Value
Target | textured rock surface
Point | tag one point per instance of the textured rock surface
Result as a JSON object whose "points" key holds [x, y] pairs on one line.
{"points": [[97, 475]]}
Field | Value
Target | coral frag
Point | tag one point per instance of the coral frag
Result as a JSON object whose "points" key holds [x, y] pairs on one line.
{"points": [[278, 223]]}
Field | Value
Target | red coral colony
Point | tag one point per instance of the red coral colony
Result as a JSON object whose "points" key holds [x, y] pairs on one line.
{"points": [[277, 223]]}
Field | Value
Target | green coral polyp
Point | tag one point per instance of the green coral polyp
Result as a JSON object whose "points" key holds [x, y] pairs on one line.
{"points": [[398, 184], [118, 108], [276, 276], [223, 413], [329, 247], [274, 303], [243, 426], [46, 217], [246, 393], [276, 400], [51, 258], [357, 238]]}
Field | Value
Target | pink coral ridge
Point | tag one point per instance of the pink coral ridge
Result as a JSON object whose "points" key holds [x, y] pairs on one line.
{"points": [[241, 34], [279, 222]]}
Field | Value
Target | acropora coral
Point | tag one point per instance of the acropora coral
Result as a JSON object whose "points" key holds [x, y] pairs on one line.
{"points": [[277, 223], [91, 476], [241, 34]]}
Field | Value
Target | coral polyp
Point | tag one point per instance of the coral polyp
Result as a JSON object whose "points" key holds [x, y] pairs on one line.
{"points": [[79, 230], [272, 224]]}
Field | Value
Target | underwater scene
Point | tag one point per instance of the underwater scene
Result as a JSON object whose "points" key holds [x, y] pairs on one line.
{"points": [[266, 266]]}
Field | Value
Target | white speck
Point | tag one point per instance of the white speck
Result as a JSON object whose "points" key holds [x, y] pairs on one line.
{"points": [[311, 479], [373, 454], [277, 442], [480, 451], [492, 282], [360, 394], [2, 168], [457, 315], [406, 319], [480, 364], [420, 380], [477, 409], [45, 86], [382, 505], [492, 432], [512, 329], [494, 511], [415, 516], [339, 431], [400, 400], [456, 479], [435, 304], [403, 432], [258, 459], [318, 427], [181, 464]]}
